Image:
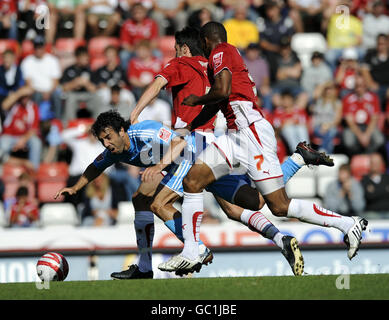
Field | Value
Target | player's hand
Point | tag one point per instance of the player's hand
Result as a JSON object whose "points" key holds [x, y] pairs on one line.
{"points": [[149, 174], [69, 191], [191, 100], [182, 132]]}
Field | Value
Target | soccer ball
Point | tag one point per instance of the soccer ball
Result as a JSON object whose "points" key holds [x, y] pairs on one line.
{"points": [[52, 266]]}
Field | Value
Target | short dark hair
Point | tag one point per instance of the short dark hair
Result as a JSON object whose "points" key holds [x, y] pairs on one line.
{"points": [[107, 119], [191, 37], [22, 191], [214, 31], [80, 50]]}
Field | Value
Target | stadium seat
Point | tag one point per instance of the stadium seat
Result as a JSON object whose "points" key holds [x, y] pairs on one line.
{"points": [[360, 165], [81, 123], [302, 185], [126, 213], [11, 172], [68, 45], [51, 177], [97, 45], [166, 46], [27, 48], [304, 44], [322, 184], [97, 62], [3, 218], [58, 214]]}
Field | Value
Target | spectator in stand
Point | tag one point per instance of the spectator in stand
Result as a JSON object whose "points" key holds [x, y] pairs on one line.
{"points": [[21, 126], [211, 5], [291, 121], [307, 14], [376, 187], [345, 195], [102, 202], [326, 116], [27, 18], [109, 75], [23, 213], [138, 27], [259, 70], [315, 75], [375, 69], [42, 72], [273, 28], [200, 17], [121, 100], [169, 13], [241, 31], [65, 11], [93, 12], [361, 110], [143, 68], [229, 9], [8, 19], [374, 24], [85, 148], [343, 32], [288, 76], [346, 72], [11, 77], [78, 87]]}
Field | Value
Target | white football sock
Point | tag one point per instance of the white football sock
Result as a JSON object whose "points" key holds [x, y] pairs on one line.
{"points": [[307, 211], [256, 221], [144, 229], [192, 213]]}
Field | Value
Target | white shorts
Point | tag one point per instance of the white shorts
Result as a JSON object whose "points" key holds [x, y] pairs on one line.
{"points": [[251, 151]]}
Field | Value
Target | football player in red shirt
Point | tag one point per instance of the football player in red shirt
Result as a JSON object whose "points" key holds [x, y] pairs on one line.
{"points": [[249, 145]]}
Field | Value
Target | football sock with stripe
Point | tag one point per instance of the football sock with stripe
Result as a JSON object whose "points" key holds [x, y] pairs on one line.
{"points": [[144, 229], [257, 222], [175, 226], [307, 211], [291, 166], [192, 213]]}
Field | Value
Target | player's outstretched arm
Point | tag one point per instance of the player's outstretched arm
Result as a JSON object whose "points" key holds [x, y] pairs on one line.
{"points": [[89, 175], [150, 93], [220, 90]]}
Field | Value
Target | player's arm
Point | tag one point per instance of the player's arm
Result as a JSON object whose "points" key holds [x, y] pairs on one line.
{"points": [[206, 114], [176, 146], [90, 173], [150, 93], [220, 90]]}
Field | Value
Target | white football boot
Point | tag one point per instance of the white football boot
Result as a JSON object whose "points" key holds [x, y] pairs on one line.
{"points": [[181, 265], [353, 237]]}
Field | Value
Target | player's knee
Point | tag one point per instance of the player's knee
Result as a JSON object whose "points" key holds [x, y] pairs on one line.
{"points": [[279, 209], [156, 206], [191, 185], [141, 202]]}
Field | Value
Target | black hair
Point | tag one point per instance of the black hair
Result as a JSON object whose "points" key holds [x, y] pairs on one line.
{"points": [[214, 31], [22, 192], [107, 119], [191, 37], [80, 50]]}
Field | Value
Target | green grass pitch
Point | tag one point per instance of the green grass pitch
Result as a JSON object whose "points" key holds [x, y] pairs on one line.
{"points": [[374, 286]]}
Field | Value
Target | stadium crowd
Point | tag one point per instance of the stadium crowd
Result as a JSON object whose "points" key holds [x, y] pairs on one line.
{"points": [[61, 67]]}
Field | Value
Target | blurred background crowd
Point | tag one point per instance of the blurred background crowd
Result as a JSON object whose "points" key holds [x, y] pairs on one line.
{"points": [[321, 69]]}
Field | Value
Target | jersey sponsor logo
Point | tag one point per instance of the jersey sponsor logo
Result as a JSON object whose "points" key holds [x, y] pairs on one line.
{"points": [[164, 134], [217, 60]]}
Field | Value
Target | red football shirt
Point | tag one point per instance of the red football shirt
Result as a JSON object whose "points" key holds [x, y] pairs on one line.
{"points": [[297, 116], [186, 76], [24, 216], [131, 32], [226, 56], [8, 7], [361, 108], [19, 120], [144, 70]]}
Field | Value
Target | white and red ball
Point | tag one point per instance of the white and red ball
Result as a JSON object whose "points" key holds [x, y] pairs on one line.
{"points": [[52, 266]]}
